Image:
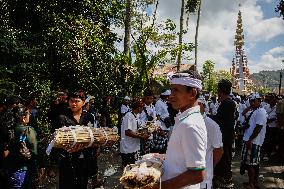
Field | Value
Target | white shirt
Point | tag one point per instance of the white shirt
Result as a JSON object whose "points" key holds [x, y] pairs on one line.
{"points": [[263, 104], [242, 107], [214, 108], [124, 109], [161, 108], [207, 107], [214, 140], [151, 112], [271, 111], [259, 117], [187, 145], [129, 144]]}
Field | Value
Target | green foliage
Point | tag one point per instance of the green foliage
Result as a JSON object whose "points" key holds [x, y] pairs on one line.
{"points": [[153, 44], [192, 6], [267, 79], [211, 77], [280, 8], [207, 75], [58, 44], [263, 90]]}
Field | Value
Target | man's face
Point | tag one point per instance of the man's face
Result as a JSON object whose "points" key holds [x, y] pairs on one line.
{"points": [[62, 97], [206, 98], [126, 102], [140, 109], [255, 103], [76, 104], [148, 100], [180, 98], [219, 93]]}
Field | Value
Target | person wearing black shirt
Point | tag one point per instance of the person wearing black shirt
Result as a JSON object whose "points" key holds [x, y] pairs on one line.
{"points": [[75, 167], [226, 120]]}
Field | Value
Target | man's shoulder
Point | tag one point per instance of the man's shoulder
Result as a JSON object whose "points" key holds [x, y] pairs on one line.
{"points": [[129, 115], [260, 113], [210, 122], [194, 121]]}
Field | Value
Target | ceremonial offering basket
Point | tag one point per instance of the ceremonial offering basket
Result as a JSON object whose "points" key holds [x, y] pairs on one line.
{"points": [[146, 171], [82, 137]]}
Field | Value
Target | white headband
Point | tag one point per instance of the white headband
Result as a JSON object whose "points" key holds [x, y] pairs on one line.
{"points": [[127, 98], [166, 93], [187, 81]]}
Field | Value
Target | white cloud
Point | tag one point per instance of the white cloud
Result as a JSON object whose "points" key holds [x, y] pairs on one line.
{"points": [[217, 31], [276, 50], [271, 60]]}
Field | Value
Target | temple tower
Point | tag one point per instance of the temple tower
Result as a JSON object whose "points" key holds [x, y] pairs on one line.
{"points": [[239, 70]]}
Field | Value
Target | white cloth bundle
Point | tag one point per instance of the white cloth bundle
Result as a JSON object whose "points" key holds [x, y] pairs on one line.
{"points": [[146, 171]]}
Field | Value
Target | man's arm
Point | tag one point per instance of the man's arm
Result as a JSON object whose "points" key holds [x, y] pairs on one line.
{"points": [[255, 133], [217, 155], [133, 134], [189, 177]]}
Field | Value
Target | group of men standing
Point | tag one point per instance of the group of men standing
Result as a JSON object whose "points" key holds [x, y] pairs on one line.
{"points": [[200, 146], [195, 144]]}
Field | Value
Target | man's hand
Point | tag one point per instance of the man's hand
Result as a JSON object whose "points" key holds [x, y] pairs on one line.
{"points": [[249, 144], [144, 136], [6, 153], [76, 148], [152, 186]]}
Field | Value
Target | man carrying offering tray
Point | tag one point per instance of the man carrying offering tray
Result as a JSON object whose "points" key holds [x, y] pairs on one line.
{"points": [[76, 166], [130, 136], [184, 165]]}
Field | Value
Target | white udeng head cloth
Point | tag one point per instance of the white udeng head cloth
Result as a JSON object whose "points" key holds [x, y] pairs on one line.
{"points": [[185, 79]]}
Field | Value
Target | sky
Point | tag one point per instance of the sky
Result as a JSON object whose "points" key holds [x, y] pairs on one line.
{"points": [[263, 32]]}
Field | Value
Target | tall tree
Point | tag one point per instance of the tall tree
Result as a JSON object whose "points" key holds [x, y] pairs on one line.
{"points": [[180, 34], [196, 35], [127, 27], [280, 8], [191, 7]]}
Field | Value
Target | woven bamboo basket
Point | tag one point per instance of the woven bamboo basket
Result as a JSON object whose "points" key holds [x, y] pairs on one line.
{"points": [[85, 137]]}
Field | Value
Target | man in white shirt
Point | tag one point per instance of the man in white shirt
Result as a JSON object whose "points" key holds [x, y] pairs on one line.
{"points": [[161, 108], [271, 130], [130, 137], [184, 165], [207, 102], [213, 106], [125, 106], [149, 112], [160, 137], [214, 147], [253, 139]]}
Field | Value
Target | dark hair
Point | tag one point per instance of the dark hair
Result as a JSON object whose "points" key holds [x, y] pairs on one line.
{"points": [[19, 111], [137, 103], [77, 94], [12, 100], [188, 88], [148, 92], [225, 86]]}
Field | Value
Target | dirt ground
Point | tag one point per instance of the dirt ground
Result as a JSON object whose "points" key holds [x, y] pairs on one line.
{"points": [[271, 172]]}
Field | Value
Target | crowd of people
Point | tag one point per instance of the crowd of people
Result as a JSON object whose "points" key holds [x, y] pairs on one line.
{"points": [[196, 135]]}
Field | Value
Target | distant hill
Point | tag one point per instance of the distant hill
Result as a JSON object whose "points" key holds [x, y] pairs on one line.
{"points": [[269, 79]]}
